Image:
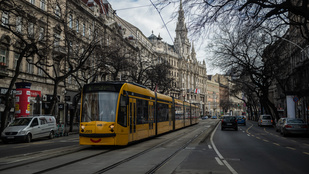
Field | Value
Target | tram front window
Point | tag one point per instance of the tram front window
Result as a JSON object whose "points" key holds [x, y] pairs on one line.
{"points": [[99, 106]]}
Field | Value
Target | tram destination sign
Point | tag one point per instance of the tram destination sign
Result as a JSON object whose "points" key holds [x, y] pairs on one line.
{"points": [[100, 87]]}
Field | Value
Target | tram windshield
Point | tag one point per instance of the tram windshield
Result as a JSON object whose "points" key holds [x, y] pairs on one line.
{"points": [[99, 106]]}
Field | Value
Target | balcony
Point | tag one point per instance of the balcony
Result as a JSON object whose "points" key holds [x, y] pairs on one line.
{"points": [[59, 52], [3, 70]]}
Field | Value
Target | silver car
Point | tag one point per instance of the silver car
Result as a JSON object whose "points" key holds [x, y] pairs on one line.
{"points": [[280, 124], [294, 126], [265, 120]]}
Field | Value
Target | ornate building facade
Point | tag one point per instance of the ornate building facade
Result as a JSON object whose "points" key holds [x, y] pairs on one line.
{"points": [[66, 28], [190, 75]]}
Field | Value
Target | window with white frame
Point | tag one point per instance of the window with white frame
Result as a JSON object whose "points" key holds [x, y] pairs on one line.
{"points": [[69, 78], [29, 65], [3, 53], [42, 4], [31, 29], [40, 71], [5, 18], [57, 40], [57, 11], [89, 32], [84, 29], [32, 2], [70, 21], [16, 57], [77, 25], [19, 24], [41, 34]]}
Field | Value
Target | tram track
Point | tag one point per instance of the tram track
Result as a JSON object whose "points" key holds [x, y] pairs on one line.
{"points": [[28, 157], [159, 165], [181, 140]]}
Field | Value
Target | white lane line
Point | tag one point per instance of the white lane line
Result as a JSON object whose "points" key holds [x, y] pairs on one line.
{"points": [[209, 146], [230, 167], [219, 154], [219, 161]]}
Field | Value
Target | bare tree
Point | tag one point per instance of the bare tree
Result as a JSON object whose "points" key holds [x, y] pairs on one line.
{"points": [[241, 55], [159, 77], [25, 43], [119, 59], [65, 53], [205, 14]]}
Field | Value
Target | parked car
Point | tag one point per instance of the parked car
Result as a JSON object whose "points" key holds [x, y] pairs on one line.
{"points": [[241, 120], [214, 117], [265, 120], [279, 124], [229, 122], [294, 126], [28, 128], [204, 118]]}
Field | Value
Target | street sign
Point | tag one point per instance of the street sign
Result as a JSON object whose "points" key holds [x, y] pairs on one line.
{"points": [[295, 99]]}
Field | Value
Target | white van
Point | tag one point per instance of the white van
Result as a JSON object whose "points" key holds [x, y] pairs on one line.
{"points": [[28, 128]]}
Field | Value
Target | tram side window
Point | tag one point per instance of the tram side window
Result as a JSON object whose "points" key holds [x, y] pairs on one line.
{"points": [[179, 113], [163, 111], [187, 112], [142, 111], [193, 112], [122, 112]]}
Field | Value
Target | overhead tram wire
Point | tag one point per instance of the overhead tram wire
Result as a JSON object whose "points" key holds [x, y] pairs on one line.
{"points": [[133, 7], [161, 19]]}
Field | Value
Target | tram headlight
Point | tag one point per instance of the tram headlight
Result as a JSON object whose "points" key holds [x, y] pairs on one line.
{"points": [[83, 127], [112, 127]]}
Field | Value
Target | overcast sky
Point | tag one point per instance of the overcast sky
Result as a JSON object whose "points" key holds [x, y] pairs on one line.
{"points": [[143, 15]]}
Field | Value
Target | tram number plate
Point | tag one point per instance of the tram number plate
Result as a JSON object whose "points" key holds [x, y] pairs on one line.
{"points": [[88, 131]]}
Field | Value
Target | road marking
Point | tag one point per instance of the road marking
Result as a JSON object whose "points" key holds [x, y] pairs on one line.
{"points": [[209, 146], [249, 129], [276, 144], [248, 135], [219, 161], [258, 138], [219, 154], [230, 167], [306, 153], [290, 148], [21, 146], [265, 140]]}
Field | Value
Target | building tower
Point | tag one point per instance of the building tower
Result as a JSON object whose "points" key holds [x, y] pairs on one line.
{"points": [[181, 41]]}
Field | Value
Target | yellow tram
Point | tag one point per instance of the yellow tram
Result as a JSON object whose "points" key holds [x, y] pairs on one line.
{"points": [[117, 113]]}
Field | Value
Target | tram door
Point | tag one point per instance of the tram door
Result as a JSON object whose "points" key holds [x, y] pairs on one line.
{"points": [[132, 119]]}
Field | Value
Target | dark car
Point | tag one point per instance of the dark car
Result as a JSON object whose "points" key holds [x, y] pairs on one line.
{"points": [[229, 122]]}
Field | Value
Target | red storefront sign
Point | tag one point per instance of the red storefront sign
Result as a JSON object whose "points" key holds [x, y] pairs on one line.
{"points": [[22, 99], [34, 93]]}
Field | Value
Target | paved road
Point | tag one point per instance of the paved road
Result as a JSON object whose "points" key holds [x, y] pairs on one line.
{"points": [[255, 149], [252, 149]]}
